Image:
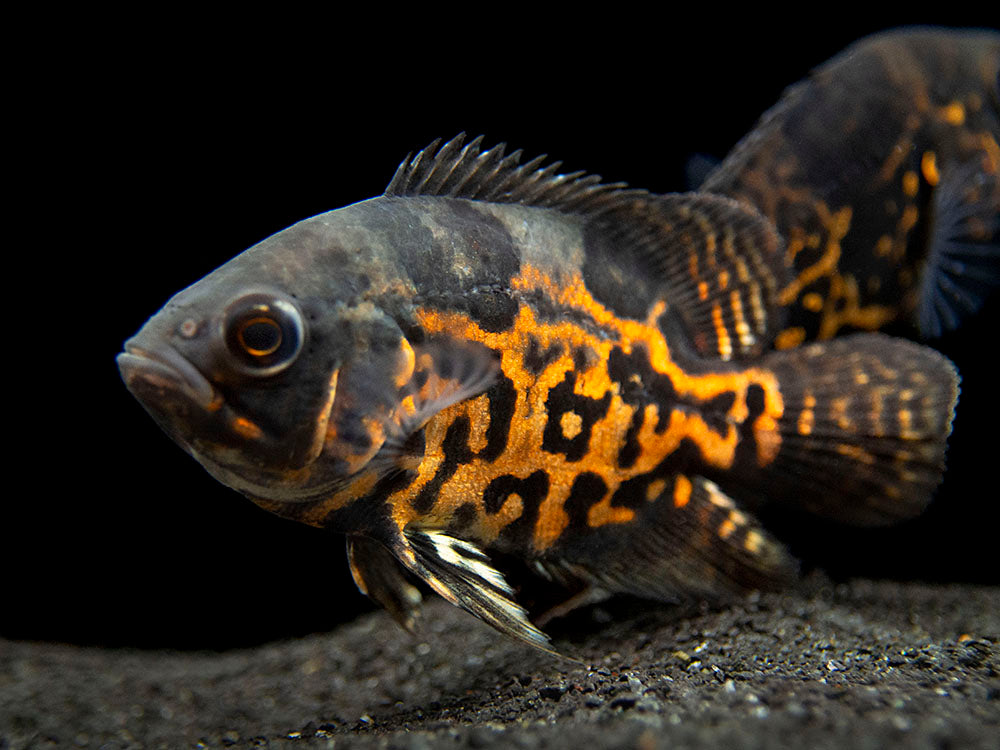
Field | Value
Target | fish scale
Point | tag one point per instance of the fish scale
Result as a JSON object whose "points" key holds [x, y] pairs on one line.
{"points": [[494, 358]]}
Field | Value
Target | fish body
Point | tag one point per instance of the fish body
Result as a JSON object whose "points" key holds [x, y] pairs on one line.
{"points": [[882, 173], [494, 357]]}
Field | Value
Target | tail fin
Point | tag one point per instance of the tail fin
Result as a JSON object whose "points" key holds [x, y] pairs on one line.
{"points": [[864, 428]]}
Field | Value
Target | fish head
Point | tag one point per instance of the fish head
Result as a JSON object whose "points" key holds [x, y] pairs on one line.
{"points": [[280, 389]]}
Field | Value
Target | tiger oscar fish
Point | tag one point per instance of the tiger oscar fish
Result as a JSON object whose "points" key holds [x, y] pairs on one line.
{"points": [[495, 360]]}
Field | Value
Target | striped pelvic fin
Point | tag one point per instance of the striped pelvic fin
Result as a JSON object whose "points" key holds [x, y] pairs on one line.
{"points": [[462, 573], [379, 576]]}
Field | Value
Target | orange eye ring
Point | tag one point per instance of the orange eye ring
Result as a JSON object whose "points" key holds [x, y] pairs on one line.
{"points": [[259, 336], [263, 333]]}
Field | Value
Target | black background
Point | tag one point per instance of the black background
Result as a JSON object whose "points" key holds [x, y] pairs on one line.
{"points": [[156, 160]]}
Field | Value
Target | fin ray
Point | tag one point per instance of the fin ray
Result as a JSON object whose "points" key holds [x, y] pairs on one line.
{"points": [[447, 372], [378, 575], [868, 414], [718, 262], [963, 261], [692, 542], [722, 266], [461, 573], [491, 176]]}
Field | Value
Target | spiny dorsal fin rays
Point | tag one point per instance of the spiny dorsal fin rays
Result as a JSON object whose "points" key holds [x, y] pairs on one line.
{"points": [[446, 171], [458, 171]]}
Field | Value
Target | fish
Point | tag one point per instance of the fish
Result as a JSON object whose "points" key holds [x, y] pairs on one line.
{"points": [[496, 361], [882, 173]]}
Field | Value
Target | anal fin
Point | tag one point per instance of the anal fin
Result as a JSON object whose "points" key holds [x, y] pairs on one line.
{"points": [[690, 542]]}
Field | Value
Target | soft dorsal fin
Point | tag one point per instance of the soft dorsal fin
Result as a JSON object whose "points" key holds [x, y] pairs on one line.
{"points": [[721, 264], [718, 262]]}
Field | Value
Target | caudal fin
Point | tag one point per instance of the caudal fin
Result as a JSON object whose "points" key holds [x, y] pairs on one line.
{"points": [[864, 428], [963, 261]]}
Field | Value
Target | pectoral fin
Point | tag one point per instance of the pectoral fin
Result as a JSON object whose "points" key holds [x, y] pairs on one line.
{"points": [[446, 371]]}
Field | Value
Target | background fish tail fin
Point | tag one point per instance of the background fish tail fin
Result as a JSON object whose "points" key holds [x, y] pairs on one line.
{"points": [[963, 260]]}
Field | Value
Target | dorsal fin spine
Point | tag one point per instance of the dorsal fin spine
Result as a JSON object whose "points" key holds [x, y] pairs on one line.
{"points": [[464, 169], [467, 171], [484, 161], [443, 165]]}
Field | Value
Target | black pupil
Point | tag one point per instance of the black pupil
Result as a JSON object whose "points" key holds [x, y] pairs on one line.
{"points": [[260, 336]]}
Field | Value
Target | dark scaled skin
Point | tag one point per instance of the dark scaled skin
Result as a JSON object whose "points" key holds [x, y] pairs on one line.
{"points": [[863, 166], [495, 358]]}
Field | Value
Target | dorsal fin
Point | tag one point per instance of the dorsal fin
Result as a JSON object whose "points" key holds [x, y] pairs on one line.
{"points": [[464, 170], [719, 263]]}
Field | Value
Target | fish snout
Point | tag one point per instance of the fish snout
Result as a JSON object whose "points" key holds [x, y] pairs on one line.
{"points": [[153, 373]]}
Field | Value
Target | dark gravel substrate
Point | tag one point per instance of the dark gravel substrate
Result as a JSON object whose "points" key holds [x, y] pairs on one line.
{"points": [[867, 664]]}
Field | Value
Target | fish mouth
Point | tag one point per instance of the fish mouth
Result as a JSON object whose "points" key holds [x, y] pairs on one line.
{"points": [[165, 369]]}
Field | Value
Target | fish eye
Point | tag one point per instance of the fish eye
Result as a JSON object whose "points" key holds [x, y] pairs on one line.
{"points": [[259, 336], [263, 332]]}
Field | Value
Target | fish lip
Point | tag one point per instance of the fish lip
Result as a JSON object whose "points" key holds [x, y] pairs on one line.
{"points": [[165, 367]]}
